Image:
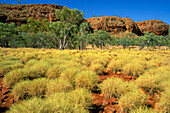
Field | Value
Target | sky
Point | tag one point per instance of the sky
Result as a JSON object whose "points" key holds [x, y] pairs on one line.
{"points": [[137, 10]]}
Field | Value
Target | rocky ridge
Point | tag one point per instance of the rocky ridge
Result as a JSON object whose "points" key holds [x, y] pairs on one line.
{"points": [[112, 24]]}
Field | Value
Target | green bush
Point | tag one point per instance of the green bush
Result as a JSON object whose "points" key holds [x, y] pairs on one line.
{"points": [[28, 88], [131, 100], [58, 85], [86, 79], [115, 87]]}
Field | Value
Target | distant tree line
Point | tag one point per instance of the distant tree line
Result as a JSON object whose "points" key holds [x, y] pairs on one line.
{"points": [[71, 33]]}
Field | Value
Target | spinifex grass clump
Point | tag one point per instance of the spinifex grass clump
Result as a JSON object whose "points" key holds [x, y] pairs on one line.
{"points": [[58, 85], [143, 109], [86, 79], [154, 80], [70, 74], [28, 57], [28, 88], [97, 68], [115, 87], [131, 100], [117, 64], [77, 101], [17, 75], [8, 65], [163, 106], [31, 63]]}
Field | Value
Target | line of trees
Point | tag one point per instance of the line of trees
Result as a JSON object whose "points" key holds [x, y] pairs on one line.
{"points": [[70, 32]]}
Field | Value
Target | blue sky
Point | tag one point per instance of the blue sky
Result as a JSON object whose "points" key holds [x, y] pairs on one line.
{"points": [[137, 10]]}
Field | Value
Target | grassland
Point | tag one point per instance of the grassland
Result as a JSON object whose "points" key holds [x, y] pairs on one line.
{"points": [[49, 80]]}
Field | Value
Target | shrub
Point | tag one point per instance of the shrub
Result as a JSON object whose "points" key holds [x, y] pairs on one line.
{"points": [[58, 85], [70, 74], [115, 87], [86, 79], [97, 68], [131, 100], [27, 57], [28, 88]]}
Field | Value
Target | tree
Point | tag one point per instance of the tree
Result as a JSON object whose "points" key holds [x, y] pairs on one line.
{"points": [[125, 41], [101, 38], [9, 36], [83, 34], [68, 18]]}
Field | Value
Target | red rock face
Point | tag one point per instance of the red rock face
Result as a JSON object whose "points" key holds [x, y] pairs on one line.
{"points": [[114, 24], [156, 26], [20, 13]]}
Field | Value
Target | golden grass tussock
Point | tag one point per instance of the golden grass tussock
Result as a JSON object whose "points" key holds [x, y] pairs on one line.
{"points": [[77, 101], [30, 88], [115, 87], [131, 100], [55, 71], [31, 63], [97, 68], [28, 57], [70, 74], [154, 80], [163, 106], [58, 85], [86, 79]]}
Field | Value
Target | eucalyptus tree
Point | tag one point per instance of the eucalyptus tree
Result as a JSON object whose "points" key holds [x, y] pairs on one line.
{"points": [[83, 34], [9, 35], [101, 38], [68, 18]]}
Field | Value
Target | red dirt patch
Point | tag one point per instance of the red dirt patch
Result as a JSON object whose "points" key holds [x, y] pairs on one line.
{"points": [[6, 99]]}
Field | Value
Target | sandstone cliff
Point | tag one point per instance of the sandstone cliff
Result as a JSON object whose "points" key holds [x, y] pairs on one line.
{"points": [[114, 24], [156, 26], [20, 13]]}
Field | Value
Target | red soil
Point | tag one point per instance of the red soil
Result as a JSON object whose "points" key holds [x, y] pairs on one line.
{"points": [[6, 99]]}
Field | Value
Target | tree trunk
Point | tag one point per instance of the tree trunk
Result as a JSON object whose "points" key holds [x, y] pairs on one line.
{"points": [[101, 46], [93, 46]]}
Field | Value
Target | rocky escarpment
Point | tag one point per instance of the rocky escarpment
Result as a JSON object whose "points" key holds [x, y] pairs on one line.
{"points": [[156, 26], [116, 25], [113, 24], [20, 13]]}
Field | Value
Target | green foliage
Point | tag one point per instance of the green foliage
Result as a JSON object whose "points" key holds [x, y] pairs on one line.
{"points": [[86, 79]]}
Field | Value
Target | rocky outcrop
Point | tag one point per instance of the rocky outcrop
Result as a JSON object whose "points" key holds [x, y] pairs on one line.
{"points": [[114, 25], [20, 13], [156, 26]]}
